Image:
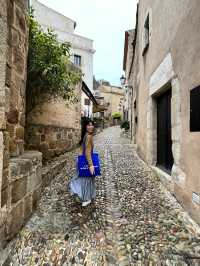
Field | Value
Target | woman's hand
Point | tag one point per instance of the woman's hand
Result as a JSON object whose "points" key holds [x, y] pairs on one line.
{"points": [[92, 169]]}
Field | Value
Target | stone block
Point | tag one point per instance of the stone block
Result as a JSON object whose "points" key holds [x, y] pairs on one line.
{"points": [[22, 4], [11, 130], [28, 203], [14, 170], [6, 158], [4, 196], [13, 116], [15, 220], [36, 197], [20, 18], [34, 180], [17, 39], [25, 166], [6, 139], [9, 55], [176, 133], [8, 75], [19, 187], [3, 8], [10, 12], [20, 146], [34, 156], [19, 132], [176, 150], [18, 61], [22, 119], [5, 178], [13, 148]]}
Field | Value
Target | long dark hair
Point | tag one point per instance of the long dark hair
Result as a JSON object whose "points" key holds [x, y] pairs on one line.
{"points": [[84, 122]]}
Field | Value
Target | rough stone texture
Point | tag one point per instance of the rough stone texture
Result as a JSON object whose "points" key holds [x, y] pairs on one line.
{"points": [[133, 221], [16, 72], [13, 43], [19, 188], [1, 158], [15, 219], [51, 141]]}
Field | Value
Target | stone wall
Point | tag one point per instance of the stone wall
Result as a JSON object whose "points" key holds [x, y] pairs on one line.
{"points": [[25, 187], [52, 141], [54, 126], [20, 172], [17, 46]]}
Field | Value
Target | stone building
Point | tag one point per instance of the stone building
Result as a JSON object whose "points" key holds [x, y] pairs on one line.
{"points": [[165, 73], [129, 97], [82, 48], [20, 170], [112, 99]]}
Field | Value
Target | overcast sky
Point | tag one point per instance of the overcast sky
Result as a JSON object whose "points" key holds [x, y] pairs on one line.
{"points": [[104, 21]]}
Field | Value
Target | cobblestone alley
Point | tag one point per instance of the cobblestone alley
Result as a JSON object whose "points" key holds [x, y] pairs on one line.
{"points": [[134, 220]]}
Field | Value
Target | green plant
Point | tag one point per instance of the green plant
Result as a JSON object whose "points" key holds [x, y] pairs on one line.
{"points": [[116, 115], [125, 125], [49, 71]]}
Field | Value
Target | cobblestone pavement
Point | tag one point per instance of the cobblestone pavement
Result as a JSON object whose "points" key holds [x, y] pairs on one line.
{"points": [[134, 221]]}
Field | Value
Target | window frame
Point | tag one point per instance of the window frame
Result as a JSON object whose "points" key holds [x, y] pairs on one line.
{"points": [[78, 58]]}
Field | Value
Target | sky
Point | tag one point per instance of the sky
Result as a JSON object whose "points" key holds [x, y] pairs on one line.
{"points": [[105, 22]]}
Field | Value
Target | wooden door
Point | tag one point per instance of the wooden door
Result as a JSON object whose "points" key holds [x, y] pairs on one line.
{"points": [[164, 142]]}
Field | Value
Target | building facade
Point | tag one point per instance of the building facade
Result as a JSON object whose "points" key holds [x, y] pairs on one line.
{"points": [[81, 48], [129, 97], [113, 99], [166, 79]]}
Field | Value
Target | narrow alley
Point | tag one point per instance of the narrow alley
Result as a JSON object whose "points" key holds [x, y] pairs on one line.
{"points": [[134, 220]]}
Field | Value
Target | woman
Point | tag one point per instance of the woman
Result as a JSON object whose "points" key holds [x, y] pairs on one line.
{"points": [[84, 187]]}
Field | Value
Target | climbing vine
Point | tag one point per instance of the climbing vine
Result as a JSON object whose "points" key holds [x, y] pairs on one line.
{"points": [[49, 70]]}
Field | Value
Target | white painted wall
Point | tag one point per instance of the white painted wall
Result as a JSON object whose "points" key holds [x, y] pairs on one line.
{"points": [[64, 28], [50, 18]]}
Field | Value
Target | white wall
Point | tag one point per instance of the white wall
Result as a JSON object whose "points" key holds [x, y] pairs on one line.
{"points": [[50, 18], [64, 28]]}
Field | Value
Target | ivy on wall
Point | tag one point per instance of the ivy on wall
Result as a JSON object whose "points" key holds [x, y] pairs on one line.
{"points": [[49, 72]]}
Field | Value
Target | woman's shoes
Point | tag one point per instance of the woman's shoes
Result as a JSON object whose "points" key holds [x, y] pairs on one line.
{"points": [[85, 203]]}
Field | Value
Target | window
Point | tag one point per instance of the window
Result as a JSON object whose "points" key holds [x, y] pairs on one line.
{"points": [[195, 109], [77, 60], [87, 101], [146, 35]]}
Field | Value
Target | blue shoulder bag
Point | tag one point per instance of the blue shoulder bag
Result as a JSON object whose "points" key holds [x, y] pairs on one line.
{"points": [[83, 167]]}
